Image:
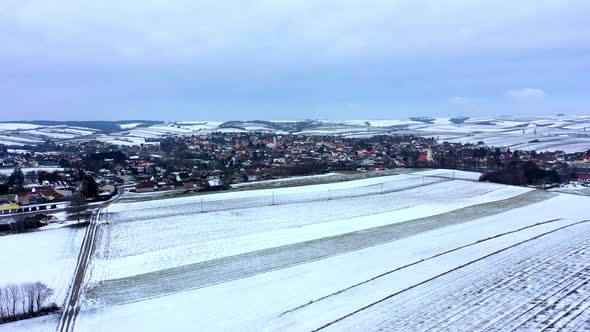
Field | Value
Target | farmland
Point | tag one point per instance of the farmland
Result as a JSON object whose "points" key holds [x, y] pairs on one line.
{"points": [[414, 251], [47, 256], [547, 133], [438, 246]]}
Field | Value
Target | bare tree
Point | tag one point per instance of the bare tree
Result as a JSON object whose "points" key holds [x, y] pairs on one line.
{"points": [[2, 303], [23, 297], [5, 300], [77, 206], [14, 291], [42, 294], [29, 295]]}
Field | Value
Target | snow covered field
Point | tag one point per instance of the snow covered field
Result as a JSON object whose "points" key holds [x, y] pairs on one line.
{"points": [[397, 253], [19, 134], [8, 171], [516, 258], [454, 174], [573, 188], [565, 133], [331, 264], [39, 324], [205, 238], [285, 180], [48, 256], [568, 134]]}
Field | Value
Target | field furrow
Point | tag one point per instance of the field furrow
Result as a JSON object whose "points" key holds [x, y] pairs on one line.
{"points": [[510, 281]]}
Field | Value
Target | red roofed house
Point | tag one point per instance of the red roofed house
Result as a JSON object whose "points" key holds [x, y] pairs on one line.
{"points": [[145, 186], [47, 193], [422, 159], [37, 196]]}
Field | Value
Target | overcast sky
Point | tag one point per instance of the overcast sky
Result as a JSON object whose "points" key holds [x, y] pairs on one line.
{"points": [[292, 59]]}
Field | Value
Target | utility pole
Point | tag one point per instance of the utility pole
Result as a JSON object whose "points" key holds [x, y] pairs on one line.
{"points": [[381, 188], [273, 198], [202, 207], [329, 194]]}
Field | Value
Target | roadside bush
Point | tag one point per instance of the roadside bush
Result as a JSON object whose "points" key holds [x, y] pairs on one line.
{"points": [[23, 224]]}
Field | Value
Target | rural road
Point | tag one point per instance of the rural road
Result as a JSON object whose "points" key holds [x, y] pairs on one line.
{"points": [[71, 308]]}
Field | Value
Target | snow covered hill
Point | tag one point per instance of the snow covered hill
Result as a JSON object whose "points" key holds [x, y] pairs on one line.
{"points": [[565, 133]]}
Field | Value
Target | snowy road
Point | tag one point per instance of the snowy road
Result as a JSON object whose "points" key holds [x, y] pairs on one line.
{"points": [[71, 306]]}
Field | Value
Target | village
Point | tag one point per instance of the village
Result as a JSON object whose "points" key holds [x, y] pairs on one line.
{"points": [[51, 173]]}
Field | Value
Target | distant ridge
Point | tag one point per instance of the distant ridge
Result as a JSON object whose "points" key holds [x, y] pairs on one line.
{"points": [[106, 126]]}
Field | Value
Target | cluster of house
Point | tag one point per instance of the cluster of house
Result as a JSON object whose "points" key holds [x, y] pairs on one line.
{"points": [[48, 193], [256, 156], [197, 180], [579, 163], [213, 161], [43, 194], [47, 186]]}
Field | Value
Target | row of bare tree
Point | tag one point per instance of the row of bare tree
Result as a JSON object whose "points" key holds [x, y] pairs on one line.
{"points": [[23, 299]]}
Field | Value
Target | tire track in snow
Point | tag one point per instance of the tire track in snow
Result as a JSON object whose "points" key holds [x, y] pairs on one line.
{"points": [[420, 309], [418, 262], [495, 311], [561, 321], [444, 274], [579, 316], [544, 302]]}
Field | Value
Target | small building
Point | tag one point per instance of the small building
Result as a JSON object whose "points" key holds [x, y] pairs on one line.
{"points": [[107, 188], [47, 193], [25, 198], [215, 184], [422, 158], [145, 186], [8, 208], [188, 185], [181, 177]]}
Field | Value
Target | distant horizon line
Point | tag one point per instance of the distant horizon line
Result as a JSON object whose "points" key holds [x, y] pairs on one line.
{"points": [[305, 119]]}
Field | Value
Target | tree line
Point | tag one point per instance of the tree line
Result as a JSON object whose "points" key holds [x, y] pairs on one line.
{"points": [[20, 301], [518, 173]]}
